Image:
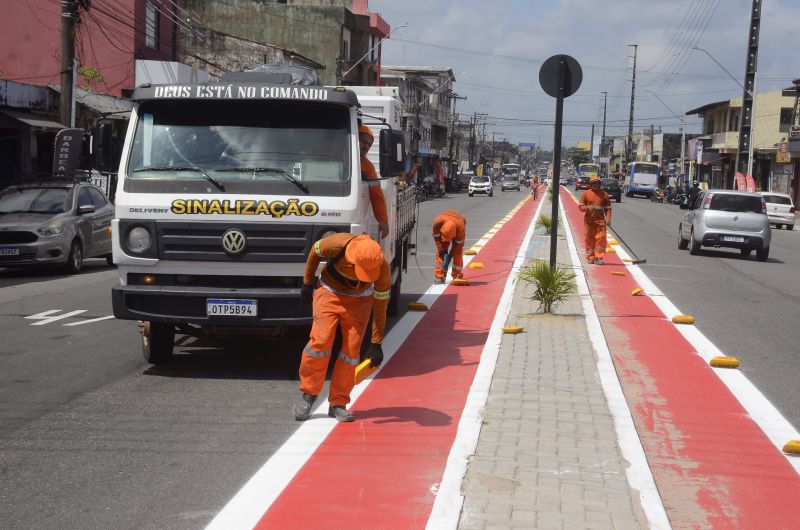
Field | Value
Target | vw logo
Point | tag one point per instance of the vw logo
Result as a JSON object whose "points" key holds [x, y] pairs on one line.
{"points": [[234, 242]]}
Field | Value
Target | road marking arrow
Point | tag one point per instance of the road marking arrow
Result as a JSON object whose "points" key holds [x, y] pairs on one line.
{"points": [[47, 317]]}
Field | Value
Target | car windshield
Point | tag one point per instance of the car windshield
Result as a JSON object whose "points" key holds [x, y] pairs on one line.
{"points": [[777, 199], [727, 202], [248, 147], [479, 180], [510, 178], [583, 179], [34, 200]]}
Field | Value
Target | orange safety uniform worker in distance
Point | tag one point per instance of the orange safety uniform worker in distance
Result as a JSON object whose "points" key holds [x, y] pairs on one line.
{"points": [[376, 198], [449, 231], [596, 206], [355, 282]]}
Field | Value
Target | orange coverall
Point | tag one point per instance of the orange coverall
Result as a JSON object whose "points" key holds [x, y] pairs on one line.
{"points": [[596, 207], [376, 197], [346, 305], [446, 220]]}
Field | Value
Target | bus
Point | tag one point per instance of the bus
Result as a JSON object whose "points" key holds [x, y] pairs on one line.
{"points": [[588, 170], [641, 179]]}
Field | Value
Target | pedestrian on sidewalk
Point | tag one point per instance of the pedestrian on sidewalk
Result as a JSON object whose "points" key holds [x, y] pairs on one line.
{"points": [[596, 207], [449, 231], [355, 282], [376, 198]]}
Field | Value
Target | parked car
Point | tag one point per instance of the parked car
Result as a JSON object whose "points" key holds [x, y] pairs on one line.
{"points": [[480, 185], [726, 218], [54, 222], [509, 182], [613, 189], [780, 209], [582, 183], [464, 179]]}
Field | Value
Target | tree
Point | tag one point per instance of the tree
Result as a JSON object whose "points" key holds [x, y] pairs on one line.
{"points": [[578, 156]]}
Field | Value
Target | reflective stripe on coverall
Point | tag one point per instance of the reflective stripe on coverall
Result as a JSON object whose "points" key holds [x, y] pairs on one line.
{"points": [[457, 249], [347, 306], [596, 206]]}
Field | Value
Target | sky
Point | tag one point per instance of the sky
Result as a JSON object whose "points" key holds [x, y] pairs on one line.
{"points": [[495, 49]]}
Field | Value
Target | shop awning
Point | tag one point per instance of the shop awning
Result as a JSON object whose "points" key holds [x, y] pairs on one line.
{"points": [[31, 119]]}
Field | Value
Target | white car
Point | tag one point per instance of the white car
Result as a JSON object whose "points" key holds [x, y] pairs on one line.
{"points": [[480, 185], [780, 209]]}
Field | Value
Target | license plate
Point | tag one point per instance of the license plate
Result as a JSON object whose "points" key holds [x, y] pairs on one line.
{"points": [[9, 251], [733, 239], [231, 308]]}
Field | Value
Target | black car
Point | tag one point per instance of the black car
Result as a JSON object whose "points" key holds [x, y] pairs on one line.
{"points": [[612, 188]]}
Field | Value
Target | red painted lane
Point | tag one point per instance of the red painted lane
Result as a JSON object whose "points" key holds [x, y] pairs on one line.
{"points": [[713, 465], [382, 470]]}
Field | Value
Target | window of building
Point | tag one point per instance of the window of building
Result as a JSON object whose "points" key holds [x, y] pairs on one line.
{"points": [[733, 121], [786, 119], [346, 35], [152, 26], [710, 127]]}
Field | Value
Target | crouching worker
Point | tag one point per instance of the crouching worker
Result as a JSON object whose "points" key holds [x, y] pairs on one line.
{"points": [[355, 282], [449, 231]]}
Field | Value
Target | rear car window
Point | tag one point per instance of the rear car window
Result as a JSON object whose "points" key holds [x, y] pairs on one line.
{"points": [[735, 203], [777, 199], [480, 179]]}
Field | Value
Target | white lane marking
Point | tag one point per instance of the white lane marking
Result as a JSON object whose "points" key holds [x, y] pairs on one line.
{"points": [[449, 498], [251, 502], [638, 473], [89, 321], [761, 410], [48, 317]]}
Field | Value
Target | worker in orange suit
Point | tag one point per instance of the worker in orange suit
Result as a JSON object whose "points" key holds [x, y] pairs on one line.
{"points": [[596, 207], [376, 198], [449, 231], [355, 282]]}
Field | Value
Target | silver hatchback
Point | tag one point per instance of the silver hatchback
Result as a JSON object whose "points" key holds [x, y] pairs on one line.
{"points": [[726, 218]]}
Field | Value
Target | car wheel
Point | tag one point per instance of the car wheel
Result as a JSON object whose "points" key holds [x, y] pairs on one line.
{"points": [[75, 258], [763, 254], [693, 246], [682, 243], [158, 339], [470, 194], [110, 260], [619, 199], [746, 252], [790, 227]]}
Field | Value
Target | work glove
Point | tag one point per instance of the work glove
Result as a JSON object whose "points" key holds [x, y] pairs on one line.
{"points": [[442, 252], [307, 292], [375, 354]]}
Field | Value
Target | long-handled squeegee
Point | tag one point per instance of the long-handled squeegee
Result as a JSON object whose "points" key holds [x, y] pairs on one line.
{"points": [[636, 259]]}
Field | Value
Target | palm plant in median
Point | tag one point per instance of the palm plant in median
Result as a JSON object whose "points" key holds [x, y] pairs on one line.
{"points": [[553, 284], [545, 222]]}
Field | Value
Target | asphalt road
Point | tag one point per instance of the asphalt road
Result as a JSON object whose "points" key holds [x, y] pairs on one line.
{"points": [[749, 309], [91, 436]]}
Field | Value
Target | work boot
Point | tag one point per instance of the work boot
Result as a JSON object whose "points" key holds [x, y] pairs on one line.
{"points": [[438, 281], [340, 413], [599, 261], [302, 410]]}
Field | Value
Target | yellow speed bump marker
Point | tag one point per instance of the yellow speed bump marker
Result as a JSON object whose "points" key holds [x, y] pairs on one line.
{"points": [[417, 306], [493, 231], [617, 273], [470, 252], [476, 265], [683, 319], [460, 281], [724, 361], [513, 330], [613, 242], [610, 250], [627, 260], [792, 447], [637, 292]]}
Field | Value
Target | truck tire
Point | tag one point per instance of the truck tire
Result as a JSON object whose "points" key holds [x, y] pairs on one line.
{"points": [[158, 340], [393, 309]]}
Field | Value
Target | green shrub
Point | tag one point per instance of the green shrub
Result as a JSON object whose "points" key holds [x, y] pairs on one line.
{"points": [[553, 284], [545, 222]]}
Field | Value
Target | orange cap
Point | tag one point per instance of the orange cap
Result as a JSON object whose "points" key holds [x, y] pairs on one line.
{"points": [[594, 178], [366, 256], [448, 231], [363, 129]]}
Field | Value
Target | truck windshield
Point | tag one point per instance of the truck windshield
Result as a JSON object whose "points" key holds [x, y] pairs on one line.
{"points": [[265, 147]]}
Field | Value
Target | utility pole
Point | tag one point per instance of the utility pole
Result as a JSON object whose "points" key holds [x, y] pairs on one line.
{"points": [[683, 143], [455, 97], [591, 145], [745, 158], [603, 136], [629, 144], [652, 141], [68, 16]]}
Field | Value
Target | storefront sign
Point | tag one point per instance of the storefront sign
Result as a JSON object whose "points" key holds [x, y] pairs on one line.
{"points": [[783, 156]]}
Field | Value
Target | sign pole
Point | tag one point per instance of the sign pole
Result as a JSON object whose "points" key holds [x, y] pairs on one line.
{"points": [[556, 168]]}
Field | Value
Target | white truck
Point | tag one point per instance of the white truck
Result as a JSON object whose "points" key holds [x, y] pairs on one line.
{"points": [[223, 190]]}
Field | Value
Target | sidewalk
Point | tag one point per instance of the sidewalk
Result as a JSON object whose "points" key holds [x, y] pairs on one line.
{"points": [[548, 455]]}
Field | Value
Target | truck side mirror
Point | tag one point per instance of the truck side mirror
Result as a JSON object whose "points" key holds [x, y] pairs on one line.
{"points": [[103, 147], [392, 153]]}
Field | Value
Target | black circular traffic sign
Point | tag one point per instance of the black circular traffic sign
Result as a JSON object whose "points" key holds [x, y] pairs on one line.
{"points": [[560, 76]]}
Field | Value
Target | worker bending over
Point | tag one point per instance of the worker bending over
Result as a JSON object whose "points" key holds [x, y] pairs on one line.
{"points": [[596, 208], [449, 231], [376, 198], [356, 280]]}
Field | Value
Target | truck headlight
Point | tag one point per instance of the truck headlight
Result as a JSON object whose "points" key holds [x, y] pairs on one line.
{"points": [[53, 229], [139, 239]]}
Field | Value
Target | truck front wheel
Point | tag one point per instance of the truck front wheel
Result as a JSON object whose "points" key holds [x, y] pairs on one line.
{"points": [[158, 340], [393, 309]]}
